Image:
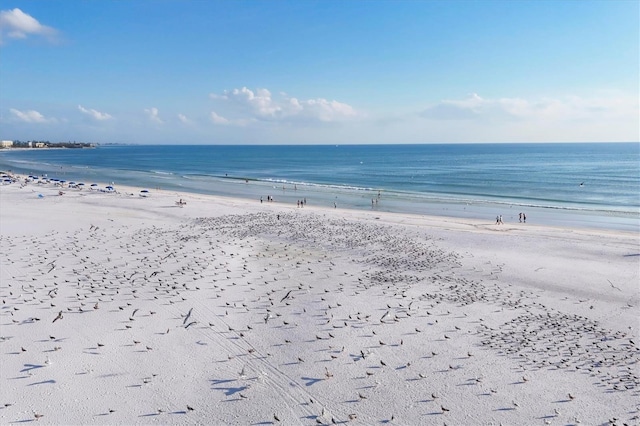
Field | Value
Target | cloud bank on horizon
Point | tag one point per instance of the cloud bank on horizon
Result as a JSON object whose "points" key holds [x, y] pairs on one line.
{"points": [[176, 93]]}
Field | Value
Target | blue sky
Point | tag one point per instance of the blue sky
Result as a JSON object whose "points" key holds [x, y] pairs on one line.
{"points": [[295, 72]]}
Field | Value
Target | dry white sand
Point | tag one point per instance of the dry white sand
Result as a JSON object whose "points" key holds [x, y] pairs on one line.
{"points": [[119, 309]]}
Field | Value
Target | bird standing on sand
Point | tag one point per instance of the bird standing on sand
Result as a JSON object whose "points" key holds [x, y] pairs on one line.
{"points": [[186, 318], [58, 317]]}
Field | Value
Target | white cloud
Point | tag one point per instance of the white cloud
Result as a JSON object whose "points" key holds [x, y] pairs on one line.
{"points": [[18, 25], [152, 113], [597, 116], [96, 115], [325, 110], [218, 119], [475, 107], [184, 119], [31, 116], [262, 105]]}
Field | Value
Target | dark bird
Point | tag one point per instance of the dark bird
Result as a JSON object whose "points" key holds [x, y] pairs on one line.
{"points": [[58, 317], [286, 296], [384, 316], [186, 318]]}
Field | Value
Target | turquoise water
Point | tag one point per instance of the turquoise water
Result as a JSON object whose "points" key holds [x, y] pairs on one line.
{"points": [[582, 184]]}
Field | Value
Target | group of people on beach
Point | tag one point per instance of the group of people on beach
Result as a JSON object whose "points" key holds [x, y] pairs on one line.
{"points": [[522, 217], [269, 199], [302, 202]]}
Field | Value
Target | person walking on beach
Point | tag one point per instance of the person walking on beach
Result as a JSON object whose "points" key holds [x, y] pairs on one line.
{"points": [[524, 217], [497, 220], [520, 217]]}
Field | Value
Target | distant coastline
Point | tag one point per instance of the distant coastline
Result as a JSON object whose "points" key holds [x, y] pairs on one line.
{"points": [[44, 145]]}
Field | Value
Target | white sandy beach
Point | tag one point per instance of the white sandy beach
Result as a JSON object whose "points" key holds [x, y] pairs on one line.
{"points": [[121, 309]]}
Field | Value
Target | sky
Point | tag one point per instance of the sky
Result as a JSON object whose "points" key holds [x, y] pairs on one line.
{"points": [[319, 72]]}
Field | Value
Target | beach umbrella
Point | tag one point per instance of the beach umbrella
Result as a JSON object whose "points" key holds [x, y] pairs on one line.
{"points": [[94, 184]]}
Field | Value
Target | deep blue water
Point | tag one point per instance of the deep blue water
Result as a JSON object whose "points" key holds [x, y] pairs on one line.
{"points": [[545, 176]]}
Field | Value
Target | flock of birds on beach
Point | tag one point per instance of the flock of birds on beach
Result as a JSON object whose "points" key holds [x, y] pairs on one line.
{"points": [[323, 320]]}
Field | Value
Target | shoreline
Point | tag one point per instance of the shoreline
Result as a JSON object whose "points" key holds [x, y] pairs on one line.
{"points": [[226, 310], [482, 211], [129, 191]]}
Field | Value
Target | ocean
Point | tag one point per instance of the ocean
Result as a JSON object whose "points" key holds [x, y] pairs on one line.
{"points": [[576, 184]]}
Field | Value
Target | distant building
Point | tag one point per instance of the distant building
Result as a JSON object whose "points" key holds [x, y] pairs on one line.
{"points": [[6, 144], [41, 145]]}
